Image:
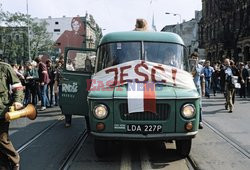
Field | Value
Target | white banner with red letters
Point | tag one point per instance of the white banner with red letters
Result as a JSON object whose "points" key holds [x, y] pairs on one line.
{"points": [[144, 75]]}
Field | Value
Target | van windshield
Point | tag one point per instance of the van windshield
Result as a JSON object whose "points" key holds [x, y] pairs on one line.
{"points": [[116, 53], [164, 53]]}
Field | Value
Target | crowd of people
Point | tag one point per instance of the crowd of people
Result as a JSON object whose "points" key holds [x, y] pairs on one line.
{"points": [[40, 81], [227, 78]]}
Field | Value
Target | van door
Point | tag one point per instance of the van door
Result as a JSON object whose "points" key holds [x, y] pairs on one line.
{"points": [[78, 67]]}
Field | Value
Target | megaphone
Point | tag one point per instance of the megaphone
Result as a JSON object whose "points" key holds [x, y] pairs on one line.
{"points": [[29, 111]]}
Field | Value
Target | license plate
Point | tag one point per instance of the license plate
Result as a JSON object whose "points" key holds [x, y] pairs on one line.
{"points": [[144, 128]]}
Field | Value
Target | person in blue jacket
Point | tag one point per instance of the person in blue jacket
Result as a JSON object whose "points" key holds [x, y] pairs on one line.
{"points": [[207, 71]]}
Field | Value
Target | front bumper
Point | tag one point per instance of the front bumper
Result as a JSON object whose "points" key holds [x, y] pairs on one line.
{"points": [[126, 136]]}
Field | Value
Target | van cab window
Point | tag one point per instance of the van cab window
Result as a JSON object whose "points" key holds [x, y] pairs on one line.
{"points": [[80, 61], [116, 53]]}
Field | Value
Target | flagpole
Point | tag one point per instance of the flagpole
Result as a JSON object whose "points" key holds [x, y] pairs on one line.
{"points": [[27, 7]]}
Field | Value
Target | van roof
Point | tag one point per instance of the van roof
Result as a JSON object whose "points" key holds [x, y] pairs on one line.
{"points": [[142, 36]]}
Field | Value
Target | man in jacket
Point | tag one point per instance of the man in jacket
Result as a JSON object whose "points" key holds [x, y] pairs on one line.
{"points": [[196, 72], [230, 89], [11, 93]]}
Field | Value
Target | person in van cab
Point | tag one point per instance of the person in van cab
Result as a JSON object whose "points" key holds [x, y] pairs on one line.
{"points": [[69, 65], [88, 65], [172, 59]]}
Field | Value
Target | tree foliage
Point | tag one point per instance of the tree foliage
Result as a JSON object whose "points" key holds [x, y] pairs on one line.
{"points": [[14, 36], [41, 39], [234, 18]]}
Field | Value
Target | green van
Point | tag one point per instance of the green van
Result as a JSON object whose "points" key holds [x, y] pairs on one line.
{"points": [[135, 86]]}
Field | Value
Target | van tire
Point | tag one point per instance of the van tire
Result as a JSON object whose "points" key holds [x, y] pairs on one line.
{"points": [[183, 147], [101, 148]]}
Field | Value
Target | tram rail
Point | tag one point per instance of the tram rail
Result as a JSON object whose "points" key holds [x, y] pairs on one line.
{"points": [[192, 165], [68, 160], [234, 144]]}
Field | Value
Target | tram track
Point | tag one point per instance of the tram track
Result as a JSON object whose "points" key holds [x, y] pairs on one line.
{"points": [[34, 138], [68, 160], [192, 165], [234, 144]]}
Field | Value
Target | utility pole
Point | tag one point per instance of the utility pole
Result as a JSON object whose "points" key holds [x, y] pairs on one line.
{"points": [[28, 26]]}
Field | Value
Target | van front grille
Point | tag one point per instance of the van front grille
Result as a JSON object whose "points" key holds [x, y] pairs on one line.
{"points": [[162, 113]]}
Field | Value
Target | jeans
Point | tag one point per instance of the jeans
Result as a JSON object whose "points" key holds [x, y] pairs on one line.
{"points": [[30, 95], [207, 86], [216, 83], [51, 93], [44, 97]]}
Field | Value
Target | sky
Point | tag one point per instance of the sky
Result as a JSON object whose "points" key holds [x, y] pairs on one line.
{"points": [[110, 15]]}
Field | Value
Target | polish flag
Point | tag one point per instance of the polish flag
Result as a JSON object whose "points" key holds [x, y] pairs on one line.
{"points": [[141, 97]]}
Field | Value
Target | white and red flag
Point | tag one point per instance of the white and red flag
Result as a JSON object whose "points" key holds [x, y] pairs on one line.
{"points": [[141, 98]]}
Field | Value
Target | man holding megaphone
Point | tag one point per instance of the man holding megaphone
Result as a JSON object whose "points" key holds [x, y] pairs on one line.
{"points": [[11, 94]]}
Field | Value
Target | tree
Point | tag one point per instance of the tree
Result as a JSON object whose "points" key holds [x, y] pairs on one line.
{"points": [[233, 16], [14, 34], [40, 39]]}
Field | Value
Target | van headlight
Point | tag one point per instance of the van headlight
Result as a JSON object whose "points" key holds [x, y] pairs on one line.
{"points": [[188, 111], [100, 111]]}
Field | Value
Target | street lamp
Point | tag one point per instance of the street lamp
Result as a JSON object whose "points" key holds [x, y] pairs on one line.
{"points": [[175, 14], [27, 8], [179, 15]]}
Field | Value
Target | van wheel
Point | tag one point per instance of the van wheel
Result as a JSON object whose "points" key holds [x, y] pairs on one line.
{"points": [[101, 147], [183, 147]]}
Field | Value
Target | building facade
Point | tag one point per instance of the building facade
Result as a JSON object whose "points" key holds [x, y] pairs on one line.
{"points": [[56, 26], [188, 30], [78, 32], [224, 30]]}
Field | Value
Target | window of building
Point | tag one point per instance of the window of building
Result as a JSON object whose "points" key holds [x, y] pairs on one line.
{"points": [[57, 30], [17, 37], [56, 22]]}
